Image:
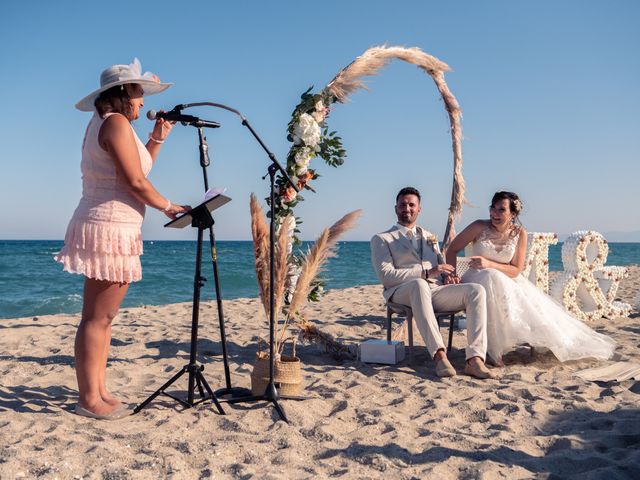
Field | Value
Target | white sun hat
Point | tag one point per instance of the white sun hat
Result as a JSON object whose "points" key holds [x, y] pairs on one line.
{"points": [[119, 75]]}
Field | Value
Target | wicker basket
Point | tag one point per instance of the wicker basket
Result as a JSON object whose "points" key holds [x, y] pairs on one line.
{"points": [[287, 375]]}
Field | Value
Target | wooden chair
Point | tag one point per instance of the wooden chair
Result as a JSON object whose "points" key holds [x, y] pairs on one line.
{"points": [[406, 311]]}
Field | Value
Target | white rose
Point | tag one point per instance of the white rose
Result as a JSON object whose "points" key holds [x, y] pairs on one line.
{"points": [[319, 114], [302, 158], [306, 131]]}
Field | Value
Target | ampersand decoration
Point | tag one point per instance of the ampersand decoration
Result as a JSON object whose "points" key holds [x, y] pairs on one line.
{"points": [[587, 288], [536, 266]]}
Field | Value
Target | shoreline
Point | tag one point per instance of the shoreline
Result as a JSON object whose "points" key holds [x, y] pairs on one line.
{"points": [[360, 420], [168, 275], [625, 292]]}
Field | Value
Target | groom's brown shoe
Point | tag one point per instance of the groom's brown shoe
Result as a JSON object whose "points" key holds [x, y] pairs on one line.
{"points": [[444, 368], [476, 368]]}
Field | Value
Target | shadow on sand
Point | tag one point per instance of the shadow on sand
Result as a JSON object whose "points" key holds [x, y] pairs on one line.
{"points": [[581, 444]]}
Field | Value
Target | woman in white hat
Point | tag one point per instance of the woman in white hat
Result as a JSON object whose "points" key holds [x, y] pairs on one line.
{"points": [[103, 240]]}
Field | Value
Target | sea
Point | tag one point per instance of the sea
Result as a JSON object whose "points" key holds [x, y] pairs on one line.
{"points": [[33, 284]]}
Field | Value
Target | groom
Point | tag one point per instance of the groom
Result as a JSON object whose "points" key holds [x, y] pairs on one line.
{"points": [[410, 266]]}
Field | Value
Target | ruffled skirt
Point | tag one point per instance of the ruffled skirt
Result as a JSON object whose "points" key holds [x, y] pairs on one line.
{"points": [[103, 250], [518, 312]]}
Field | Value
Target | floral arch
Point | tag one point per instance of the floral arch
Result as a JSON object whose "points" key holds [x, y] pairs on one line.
{"points": [[309, 132]]}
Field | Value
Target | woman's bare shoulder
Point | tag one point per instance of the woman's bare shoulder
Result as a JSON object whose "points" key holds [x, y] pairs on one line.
{"points": [[115, 127], [116, 121], [478, 225]]}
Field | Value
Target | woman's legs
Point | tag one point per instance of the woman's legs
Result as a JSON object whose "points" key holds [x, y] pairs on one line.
{"points": [[100, 306], [104, 394]]}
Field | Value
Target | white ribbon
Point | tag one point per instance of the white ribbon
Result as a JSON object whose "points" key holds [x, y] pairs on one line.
{"points": [[134, 71]]}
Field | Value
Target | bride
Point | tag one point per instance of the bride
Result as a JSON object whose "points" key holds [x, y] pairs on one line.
{"points": [[517, 311]]}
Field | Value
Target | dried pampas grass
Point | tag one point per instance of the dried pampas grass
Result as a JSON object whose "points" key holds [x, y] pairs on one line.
{"points": [[316, 256], [349, 79], [323, 249], [260, 234], [313, 260], [311, 334], [282, 262]]}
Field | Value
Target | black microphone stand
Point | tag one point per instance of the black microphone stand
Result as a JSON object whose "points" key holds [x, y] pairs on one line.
{"points": [[271, 392]]}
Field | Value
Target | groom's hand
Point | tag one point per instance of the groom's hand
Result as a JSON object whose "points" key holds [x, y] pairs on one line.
{"points": [[443, 269], [451, 279]]}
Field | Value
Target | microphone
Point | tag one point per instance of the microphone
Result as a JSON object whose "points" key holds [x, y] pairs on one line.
{"points": [[176, 116]]}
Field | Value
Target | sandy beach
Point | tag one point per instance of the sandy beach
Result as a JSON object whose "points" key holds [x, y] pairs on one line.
{"points": [[537, 420]]}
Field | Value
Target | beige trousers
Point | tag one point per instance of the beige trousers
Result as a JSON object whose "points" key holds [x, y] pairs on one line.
{"points": [[424, 299]]}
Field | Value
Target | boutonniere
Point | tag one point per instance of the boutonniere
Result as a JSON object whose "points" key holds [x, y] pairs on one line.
{"points": [[432, 239]]}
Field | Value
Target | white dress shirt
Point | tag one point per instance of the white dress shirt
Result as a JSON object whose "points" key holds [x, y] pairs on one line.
{"points": [[410, 233]]}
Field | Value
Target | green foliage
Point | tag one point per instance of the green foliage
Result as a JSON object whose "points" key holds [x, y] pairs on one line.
{"points": [[329, 148]]}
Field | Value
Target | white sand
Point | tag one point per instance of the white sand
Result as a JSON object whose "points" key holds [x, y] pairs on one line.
{"points": [[361, 421]]}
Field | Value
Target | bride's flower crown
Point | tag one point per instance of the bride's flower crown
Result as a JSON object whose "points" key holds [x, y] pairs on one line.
{"points": [[517, 204]]}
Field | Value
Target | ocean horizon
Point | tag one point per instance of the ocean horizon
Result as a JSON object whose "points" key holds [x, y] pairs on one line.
{"points": [[33, 284]]}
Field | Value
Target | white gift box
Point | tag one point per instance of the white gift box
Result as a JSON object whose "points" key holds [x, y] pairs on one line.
{"points": [[382, 351]]}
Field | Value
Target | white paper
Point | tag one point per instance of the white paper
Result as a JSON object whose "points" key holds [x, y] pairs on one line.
{"points": [[212, 192]]}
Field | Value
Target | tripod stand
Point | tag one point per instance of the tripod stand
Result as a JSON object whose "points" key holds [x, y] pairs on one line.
{"points": [[201, 219]]}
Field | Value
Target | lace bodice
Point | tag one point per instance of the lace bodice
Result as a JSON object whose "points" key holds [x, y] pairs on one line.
{"points": [[495, 246]]}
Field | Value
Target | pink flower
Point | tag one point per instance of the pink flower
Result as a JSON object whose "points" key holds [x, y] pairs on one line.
{"points": [[289, 195]]}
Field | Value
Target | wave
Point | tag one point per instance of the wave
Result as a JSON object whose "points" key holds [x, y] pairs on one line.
{"points": [[24, 307]]}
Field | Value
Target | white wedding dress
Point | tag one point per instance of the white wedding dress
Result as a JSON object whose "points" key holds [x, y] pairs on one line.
{"points": [[518, 312]]}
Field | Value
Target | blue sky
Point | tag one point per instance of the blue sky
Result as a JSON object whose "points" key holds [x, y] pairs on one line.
{"points": [[550, 92]]}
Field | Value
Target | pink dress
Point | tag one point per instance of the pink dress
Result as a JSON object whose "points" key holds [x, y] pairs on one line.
{"points": [[104, 239]]}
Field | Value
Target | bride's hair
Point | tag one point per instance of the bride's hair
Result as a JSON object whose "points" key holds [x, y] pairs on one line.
{"points": [[515, 204]]}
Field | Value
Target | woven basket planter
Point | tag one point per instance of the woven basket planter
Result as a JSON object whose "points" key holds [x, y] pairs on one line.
{"points": [[287, 375]]}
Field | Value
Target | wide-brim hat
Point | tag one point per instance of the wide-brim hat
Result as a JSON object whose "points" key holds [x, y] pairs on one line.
{"points": [[119, 75]]}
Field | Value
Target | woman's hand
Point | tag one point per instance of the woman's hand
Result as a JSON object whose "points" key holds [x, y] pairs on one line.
{"points": [[174, 210], [479, 263], [161, 129]]}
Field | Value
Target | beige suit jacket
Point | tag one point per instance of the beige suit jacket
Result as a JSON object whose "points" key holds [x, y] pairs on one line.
{"points": [[396, 261]]}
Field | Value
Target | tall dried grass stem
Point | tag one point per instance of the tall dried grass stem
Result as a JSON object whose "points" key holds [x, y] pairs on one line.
{"points": [[260, 234]]}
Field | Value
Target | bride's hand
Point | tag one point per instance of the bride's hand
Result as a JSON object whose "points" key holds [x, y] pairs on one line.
{"points": [[479, 263]]}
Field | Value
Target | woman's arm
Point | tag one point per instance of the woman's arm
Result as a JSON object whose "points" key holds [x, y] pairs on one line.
{"points": [[464, 238], [159, 134], [116, 138], [511, 269]]}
